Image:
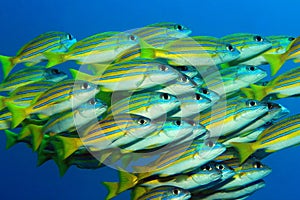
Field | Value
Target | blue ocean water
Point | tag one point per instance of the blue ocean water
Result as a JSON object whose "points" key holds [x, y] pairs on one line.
{"points": [[22, 20]]}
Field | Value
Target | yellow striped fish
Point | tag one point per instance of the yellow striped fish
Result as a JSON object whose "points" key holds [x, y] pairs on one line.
{"points": [[67, 121], [227, 117], [31, 75], [166, 192], [131, 75], [280, 44], [177, 159], [284, 85], [249, 45], [110, 132], [102, 48], [283, 134], [32, 52], [24, 95], [292, 53], [62, 96], [196, 51], [148, 104], [231, 79]]}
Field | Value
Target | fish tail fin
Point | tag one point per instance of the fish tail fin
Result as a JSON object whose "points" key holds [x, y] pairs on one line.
{"points": [[2, 102], [18, 114], [54, 58], [70, 145], [147, 51], [245, 150], [7, 64], [137, 192], [37, 136], [11, 138], [80, 75], [43, 156], [259, 91], [276, 61], [62, 165], [248, 92], [127, 180], [112, 188]]}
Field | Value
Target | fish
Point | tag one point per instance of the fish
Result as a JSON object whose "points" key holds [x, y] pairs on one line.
{"points": [[276, 111], [231, 79], [110, 132], [173, 129], [249, 172], [95, 49], [281, 135], [166, 192], [31, 75], [225, 171], [249, 45], [189, 71], [188, 51], [228, 116], [32, 52], [162, 30], [192, 104], [280, 44], [176, 160], [62, 96], [224, 52], [284, 85], [131, 75], [67, 121], [238, 193], [202, 176], [180, 86], [148, 104], [292, 53], [24, 95]]}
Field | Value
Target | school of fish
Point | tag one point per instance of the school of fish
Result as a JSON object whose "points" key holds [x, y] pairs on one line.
{"points": [[178, 116]]}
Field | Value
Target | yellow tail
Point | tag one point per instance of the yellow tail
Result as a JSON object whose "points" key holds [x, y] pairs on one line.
{"points": [[7, 65], [112, 188], [245, 150], [259, 91], [276, 61]]}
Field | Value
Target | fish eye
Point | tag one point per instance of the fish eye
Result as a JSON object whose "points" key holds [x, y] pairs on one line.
{"points": [[206, 168], [142, 121], [258, 38], [270, 106], [54, 71], [251, 68], [184, 79], [85, 86], [92, 101], [205, 91], [220, 167], [177, 122], [69, 36], [291, 38], [178, 27], [210, 143], [165, 96], [163, 68], [230, 47], [251, 103], [183, 68], [198, 97], [176, 192], [132, 37], [257, 165]]}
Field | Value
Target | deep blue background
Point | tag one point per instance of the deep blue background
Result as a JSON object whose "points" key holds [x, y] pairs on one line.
{"points": [[22, 20]]}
